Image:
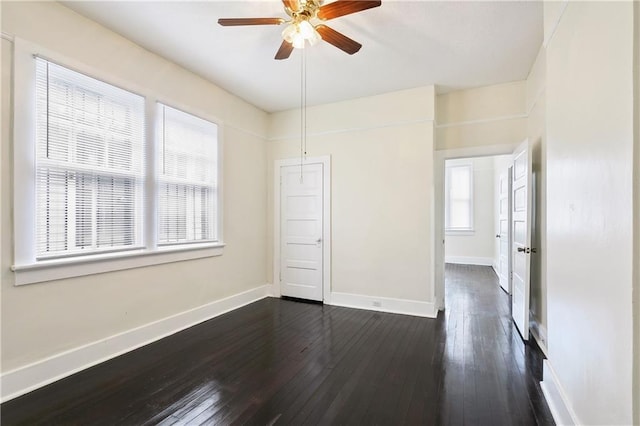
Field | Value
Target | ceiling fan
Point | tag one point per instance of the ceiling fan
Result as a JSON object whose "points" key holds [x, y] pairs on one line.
{"points": [[306, 23]]}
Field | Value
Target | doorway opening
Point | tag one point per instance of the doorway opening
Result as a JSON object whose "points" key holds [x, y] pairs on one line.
{"points": [[477, 213], [483, 213]]}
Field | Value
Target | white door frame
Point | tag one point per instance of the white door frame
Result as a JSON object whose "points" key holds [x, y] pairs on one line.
{"points": [[508, 290], [325, 160], [440, 157]]}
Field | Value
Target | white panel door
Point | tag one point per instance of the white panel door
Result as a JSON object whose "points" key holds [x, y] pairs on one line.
{"points": [[504, 219], [301, 198], [521, 237]]}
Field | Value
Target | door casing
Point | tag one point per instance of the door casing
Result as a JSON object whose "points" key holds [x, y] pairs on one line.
{"points": [[440, 157]]}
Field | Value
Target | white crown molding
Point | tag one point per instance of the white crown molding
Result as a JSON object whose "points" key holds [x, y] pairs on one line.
{"points": [[536, 99], [351, 129], [246, 131], [43, 372], [481, 121], [548, 39]]}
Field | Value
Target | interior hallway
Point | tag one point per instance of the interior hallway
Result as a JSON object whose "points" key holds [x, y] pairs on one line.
{"points": [[490, 354], [284, 362]]}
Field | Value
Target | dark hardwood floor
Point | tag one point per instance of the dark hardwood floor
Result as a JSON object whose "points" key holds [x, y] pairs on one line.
{"points": [[285, 362]]}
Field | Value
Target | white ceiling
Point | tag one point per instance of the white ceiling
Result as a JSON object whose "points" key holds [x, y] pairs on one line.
{"points": [[406, 44]]}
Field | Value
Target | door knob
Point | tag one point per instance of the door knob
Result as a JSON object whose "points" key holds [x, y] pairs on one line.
{"points": [[319, 240], [521, 249], [497, 235]]}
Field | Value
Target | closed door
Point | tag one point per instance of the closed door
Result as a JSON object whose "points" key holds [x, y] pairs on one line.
{"points": [[504, 219], [301, 225], [521, 237]]}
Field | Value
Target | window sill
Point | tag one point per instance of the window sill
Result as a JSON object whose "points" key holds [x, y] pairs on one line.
{"points": [[56, 269], [459, 232]]}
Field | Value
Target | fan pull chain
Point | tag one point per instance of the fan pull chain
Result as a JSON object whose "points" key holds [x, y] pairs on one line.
{"points": [[303, 110], [304, 64], [301, 113]]}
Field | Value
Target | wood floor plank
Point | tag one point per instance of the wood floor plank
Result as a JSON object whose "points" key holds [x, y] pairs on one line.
{"points": [[365, 340], [340, 384], [284, 362], [315, 364]]}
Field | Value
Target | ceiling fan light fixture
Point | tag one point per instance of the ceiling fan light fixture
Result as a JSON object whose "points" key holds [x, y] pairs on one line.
{"points": [[314, 38], [297, 33], [298, 41], [301, 28], [289, 32], [306, 29]]}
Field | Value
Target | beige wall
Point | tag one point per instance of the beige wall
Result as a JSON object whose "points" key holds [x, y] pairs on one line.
{"points": [[40, 320], [480, 245], [381, 150], [484, 116], [589, 138], [535, 87]]}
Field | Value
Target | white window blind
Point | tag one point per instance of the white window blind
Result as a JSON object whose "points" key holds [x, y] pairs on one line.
{"points": [[188, 173], [89, 164], [458, 197]]}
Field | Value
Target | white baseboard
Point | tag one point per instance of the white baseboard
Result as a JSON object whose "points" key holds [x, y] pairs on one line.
{"points": [[495, 268], [468, 260], [33, 376], [385, 304], [272, 291], [556, 398], [539, 332]]}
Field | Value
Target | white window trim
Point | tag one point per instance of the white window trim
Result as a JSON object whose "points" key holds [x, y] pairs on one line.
{"points": [[461, 231], [27, 269]]}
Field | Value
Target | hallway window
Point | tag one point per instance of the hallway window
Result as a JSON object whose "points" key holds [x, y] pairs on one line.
{"points": [[458, 197]]}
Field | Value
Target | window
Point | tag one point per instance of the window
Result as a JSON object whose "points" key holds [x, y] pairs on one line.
{"points": [[188, 178], [104, 178], [459, 197], [89, 164]]}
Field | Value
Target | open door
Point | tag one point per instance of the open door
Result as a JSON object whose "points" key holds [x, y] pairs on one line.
{"points": [[521, 237], [504, 234]]}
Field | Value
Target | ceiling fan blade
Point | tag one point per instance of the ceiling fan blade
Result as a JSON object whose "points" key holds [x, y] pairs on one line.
{"points": [[232, 22], [345, 7], [339, 40], [292, 5], [285, 50]]}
